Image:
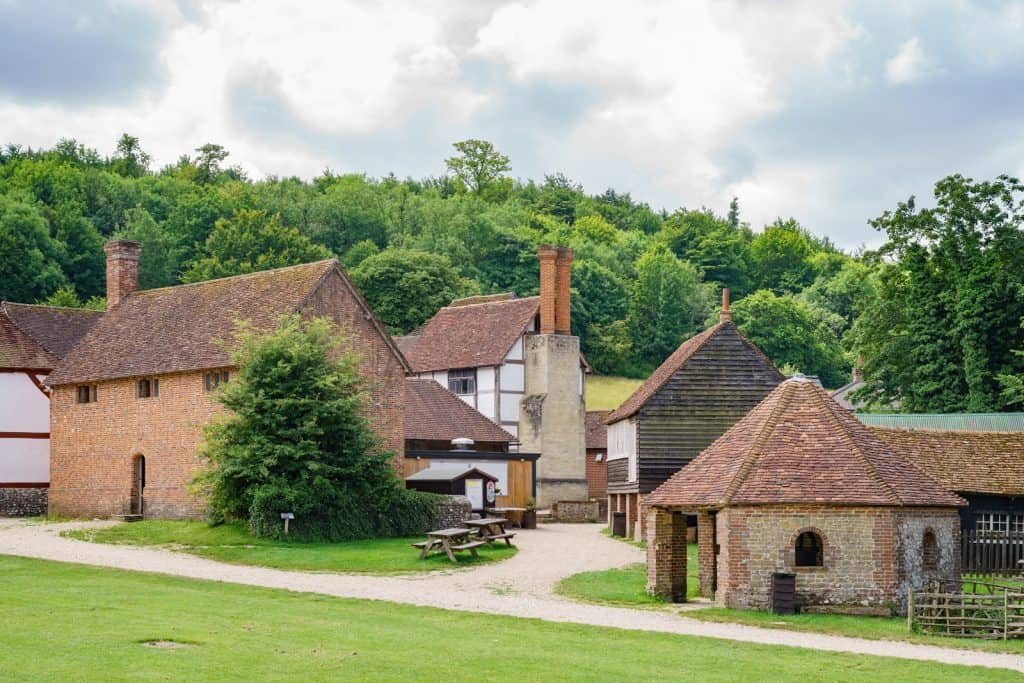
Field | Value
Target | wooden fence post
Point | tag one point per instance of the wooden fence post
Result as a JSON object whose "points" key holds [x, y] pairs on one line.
{"points": [[1006, 614]]}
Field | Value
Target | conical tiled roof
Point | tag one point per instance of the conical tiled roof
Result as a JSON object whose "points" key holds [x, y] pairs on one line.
{"points": [[800, 446]]}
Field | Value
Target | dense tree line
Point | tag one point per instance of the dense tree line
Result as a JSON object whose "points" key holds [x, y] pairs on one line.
{"points": [[644, 280]]}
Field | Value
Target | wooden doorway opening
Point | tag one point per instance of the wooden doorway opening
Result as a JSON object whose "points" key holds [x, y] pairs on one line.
{"points": [[138, 485]]}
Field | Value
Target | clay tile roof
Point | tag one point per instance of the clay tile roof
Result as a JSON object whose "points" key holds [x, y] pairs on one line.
{"points": [[800, 446], [406, 343], [966, 462], [20, 351], [432, 413], [597, 430], [55, 328], [471, 335], [670, 367], [183, 328]]}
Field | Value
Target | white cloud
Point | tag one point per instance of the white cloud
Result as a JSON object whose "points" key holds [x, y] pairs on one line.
{"points": [[676, 81], [909, 64]]}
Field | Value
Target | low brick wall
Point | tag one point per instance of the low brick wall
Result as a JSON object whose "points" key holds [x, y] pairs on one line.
{"points": [[452, 511], [27, 502], [576, 511]]}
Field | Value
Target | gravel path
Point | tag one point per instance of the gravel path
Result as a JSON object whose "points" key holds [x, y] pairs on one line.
{"points": [[518, 587]]}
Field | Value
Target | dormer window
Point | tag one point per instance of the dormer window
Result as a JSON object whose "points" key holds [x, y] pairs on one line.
{"points": [[147, 388], [211, 380], [87, 393], [462, 381]]}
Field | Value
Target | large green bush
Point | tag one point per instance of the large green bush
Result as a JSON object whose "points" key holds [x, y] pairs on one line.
{"points": [[296, 439]]}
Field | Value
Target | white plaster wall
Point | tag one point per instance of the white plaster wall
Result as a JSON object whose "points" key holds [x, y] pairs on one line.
{"points": [[485, 380], [510, 407], [25, 460], [516, 352], [622, 444], [485, 404], [23, 408], [513, 378]]}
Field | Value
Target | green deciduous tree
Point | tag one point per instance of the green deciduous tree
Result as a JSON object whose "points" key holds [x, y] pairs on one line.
{"points": [[945, 324], [780, 258], [251, 241], [668, 301], [29, 260], [296, 439], [791, 333], [478, 164], [129, 159], [159, 262], [407, 287]]}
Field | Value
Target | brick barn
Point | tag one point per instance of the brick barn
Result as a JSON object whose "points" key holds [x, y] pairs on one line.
{"points": [[800, 485], [130, 400]]}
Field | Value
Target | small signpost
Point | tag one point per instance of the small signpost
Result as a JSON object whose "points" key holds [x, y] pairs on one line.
{"points": [[286, 516]]}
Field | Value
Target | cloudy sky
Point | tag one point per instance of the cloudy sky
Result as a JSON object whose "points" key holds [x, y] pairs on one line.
{"points": [[829, 112]]}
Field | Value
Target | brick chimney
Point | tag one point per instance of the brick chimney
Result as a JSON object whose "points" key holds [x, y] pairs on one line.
{"points": [[548, 256], [122, 269], [563, 276], [726, 313]]}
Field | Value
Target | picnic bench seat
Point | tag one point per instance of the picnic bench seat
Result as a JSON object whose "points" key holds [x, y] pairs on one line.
{"points": [[469, 546], [422, 544], [507, 536]]}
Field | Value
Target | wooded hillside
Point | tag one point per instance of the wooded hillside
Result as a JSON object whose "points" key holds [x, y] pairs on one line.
{"points": [[935, 314]]}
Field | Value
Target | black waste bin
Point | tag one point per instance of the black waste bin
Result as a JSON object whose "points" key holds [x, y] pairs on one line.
{"points": [[618, 524], [783, 598]]}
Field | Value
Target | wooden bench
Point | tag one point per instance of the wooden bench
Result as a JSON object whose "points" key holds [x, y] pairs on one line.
{"points": [[471, 546], [422, 544], [507, 536]]}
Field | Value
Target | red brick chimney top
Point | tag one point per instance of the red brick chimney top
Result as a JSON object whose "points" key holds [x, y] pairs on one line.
{"points": [[122, 269], [563, 276], [547, 255], [726, 313]]}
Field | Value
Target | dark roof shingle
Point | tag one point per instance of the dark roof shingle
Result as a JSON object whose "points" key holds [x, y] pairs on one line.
{"points": [[56, 328], [966, 462], [800, 446], [183, 328], [471, 335], [432, 413]]}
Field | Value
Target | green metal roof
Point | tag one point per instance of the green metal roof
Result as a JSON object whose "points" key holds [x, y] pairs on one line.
{"points": [[953, 422]]}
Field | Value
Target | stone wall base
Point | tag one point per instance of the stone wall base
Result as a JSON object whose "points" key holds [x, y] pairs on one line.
{"points": [[452, 511], [576, 511], [23, 502]]}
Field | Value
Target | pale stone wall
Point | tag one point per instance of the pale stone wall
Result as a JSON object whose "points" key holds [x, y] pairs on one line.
{"points": [[552, 417]]}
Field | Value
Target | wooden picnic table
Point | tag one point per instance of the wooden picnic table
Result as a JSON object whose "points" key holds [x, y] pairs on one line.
{"points": [[449, 541], [491, 529], [514, 515]]}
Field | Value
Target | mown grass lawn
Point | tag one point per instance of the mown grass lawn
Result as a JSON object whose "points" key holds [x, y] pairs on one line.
{"points": [[233, 543], [70, 622], [606, 392], [627, 588]]}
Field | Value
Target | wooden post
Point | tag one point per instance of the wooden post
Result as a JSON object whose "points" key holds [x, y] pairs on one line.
{"points": [[910, 609], [1006, 613]]}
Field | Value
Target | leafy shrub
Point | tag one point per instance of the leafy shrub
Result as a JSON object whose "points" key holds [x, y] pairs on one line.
{"points": [[296, 439]]}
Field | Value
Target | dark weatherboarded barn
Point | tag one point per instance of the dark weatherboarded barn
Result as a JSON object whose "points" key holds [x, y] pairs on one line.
{"points": [[709, 383]]}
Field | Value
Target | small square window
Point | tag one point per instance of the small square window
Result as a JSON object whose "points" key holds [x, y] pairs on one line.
{"points": [[86, 393], [462, 381], [148, 388], [212, 380]]}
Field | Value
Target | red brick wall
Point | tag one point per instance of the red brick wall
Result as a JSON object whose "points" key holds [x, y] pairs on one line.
{"points": [[548, 292], [92, 445], [597, 473], [666, 554]]}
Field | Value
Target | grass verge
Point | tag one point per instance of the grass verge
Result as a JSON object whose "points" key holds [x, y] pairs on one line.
{"points": [[607, 392], [625, 587], [124, 626], [233, 543]]}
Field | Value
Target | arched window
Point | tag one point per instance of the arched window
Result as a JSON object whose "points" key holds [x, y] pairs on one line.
{"points": [[929, 551], [809, 550]]}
